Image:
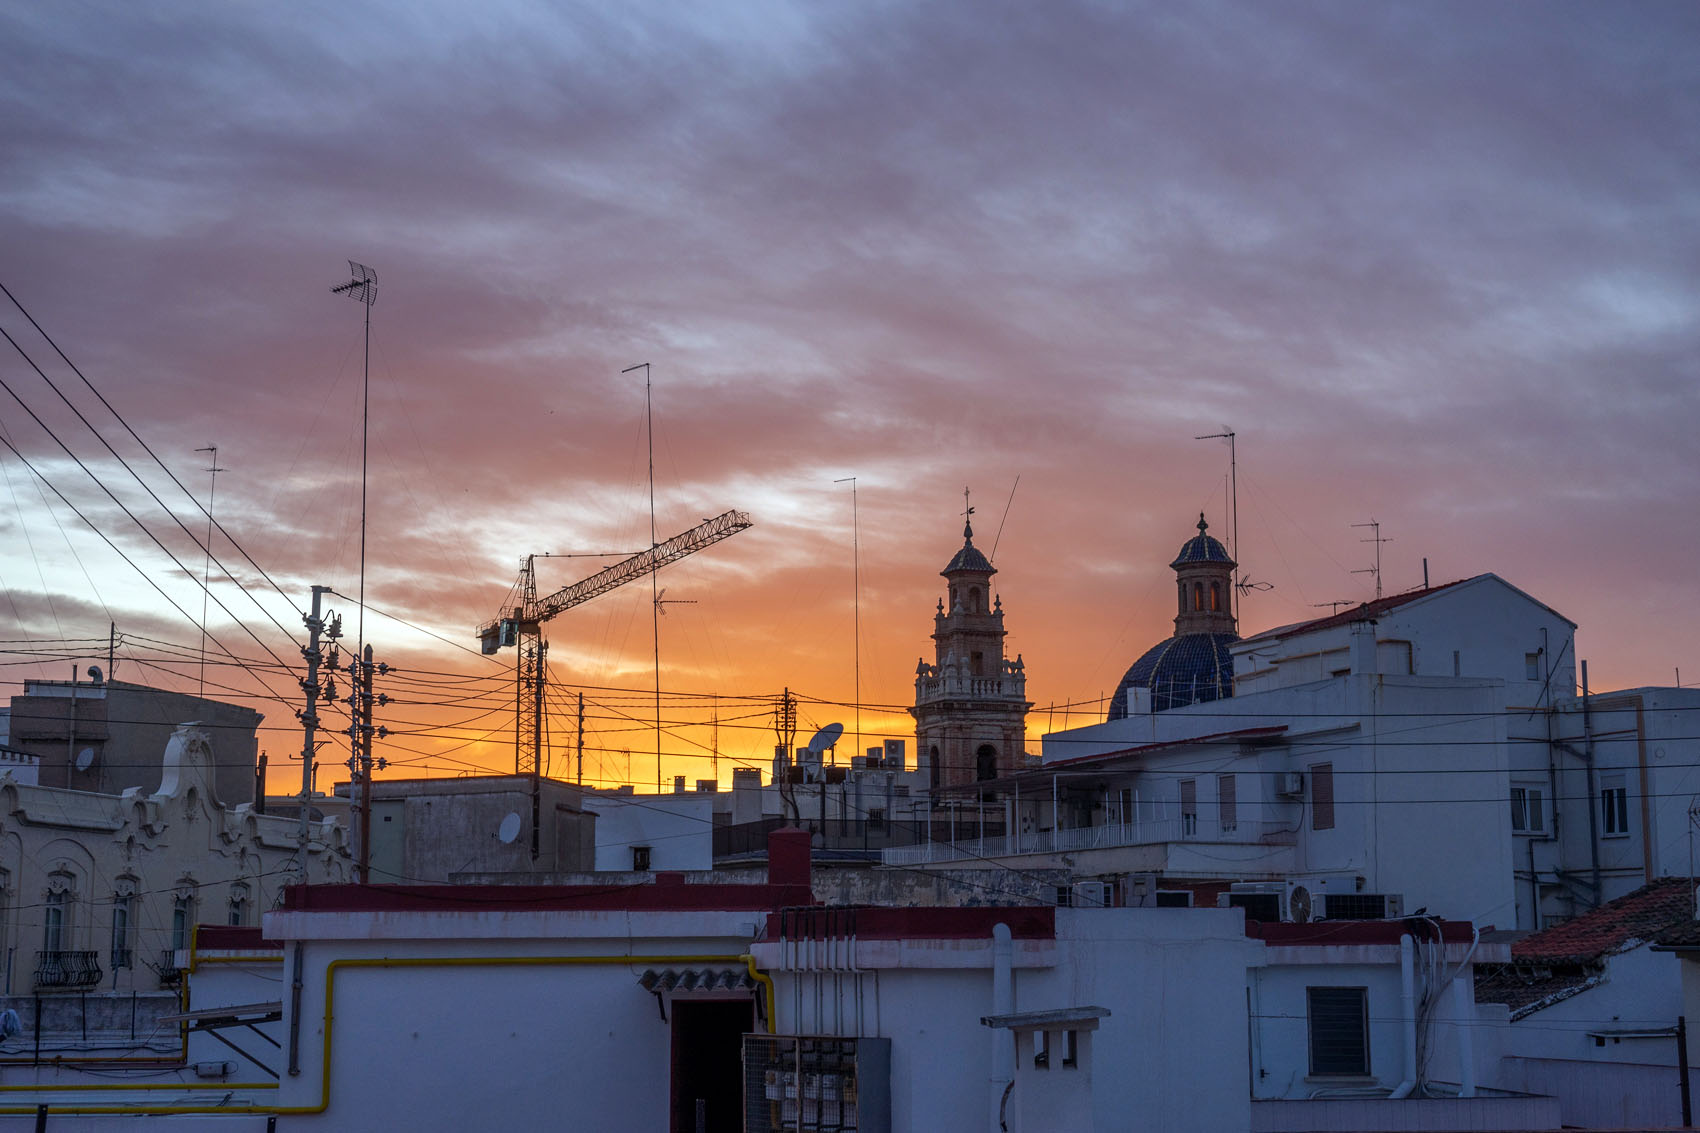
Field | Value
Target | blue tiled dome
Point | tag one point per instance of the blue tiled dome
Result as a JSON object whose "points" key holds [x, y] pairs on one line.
{"points": [[1202, 548], [970, 558], [1190, 669]]}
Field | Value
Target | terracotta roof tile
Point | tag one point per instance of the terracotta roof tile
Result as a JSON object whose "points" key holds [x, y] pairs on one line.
{"points": [[1642, 915]]}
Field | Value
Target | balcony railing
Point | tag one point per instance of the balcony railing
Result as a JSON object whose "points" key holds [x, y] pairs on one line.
{"points": [[67, 969], [170, 975], [1150, 832]]}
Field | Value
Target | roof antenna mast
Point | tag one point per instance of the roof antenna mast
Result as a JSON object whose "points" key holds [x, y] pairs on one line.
{"points": [[1227, 434], [1375, 537], [362, 288], [654, 594], [206, 568]]}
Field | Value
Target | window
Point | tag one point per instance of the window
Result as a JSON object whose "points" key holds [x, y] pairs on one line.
{"points": [[1227, 802], [238, 905], [1215, 597], [53, 922], [1198, 596], [121, 931], [1528, 812], [1339, 1029], [640, 857], [933, 764], [1614, 806], [986, 762], [182, 917], [1189, 807], [1322, 796], [1065, 896], [1532, 666], [977, 664]]}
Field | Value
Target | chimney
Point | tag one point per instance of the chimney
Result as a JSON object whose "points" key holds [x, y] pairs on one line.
{"points": [[788, 860]]}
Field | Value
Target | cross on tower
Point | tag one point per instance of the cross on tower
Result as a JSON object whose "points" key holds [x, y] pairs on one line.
{"points": [[967, 517]]}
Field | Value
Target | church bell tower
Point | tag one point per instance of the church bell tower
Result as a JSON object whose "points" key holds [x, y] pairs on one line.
{"points": [[970, 703]]}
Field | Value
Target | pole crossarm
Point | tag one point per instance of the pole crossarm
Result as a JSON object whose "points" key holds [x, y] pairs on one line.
{"points": [[503, 631]]}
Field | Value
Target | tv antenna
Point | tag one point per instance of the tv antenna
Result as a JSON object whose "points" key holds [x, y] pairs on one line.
{"points": [[1227, 434], [662, 601], [1375, 537], [206, 568], [1333, 607], [362, 287]]}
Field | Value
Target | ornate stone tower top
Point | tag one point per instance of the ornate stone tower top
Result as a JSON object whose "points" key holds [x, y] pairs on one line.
{"points": [[970, 703], [1204, 574]]}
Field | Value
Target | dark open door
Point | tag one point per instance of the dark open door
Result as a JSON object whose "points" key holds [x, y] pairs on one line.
{"points": [[708, 1082]]}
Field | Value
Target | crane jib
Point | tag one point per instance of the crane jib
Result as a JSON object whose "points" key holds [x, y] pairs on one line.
{"points": [[505, 631]]}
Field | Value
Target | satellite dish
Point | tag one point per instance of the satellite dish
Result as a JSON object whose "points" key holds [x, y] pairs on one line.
{"points": [[1298, 904], [826, 738], [509, 829], [85, 759]]}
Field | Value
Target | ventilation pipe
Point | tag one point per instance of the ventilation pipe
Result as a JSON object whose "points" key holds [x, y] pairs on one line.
{"points": [[1003, 1041], [1408, 1011]]}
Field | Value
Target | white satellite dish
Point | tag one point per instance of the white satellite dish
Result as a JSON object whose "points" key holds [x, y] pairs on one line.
{"points": [[826, 738], [509, 829], [85, 759]]}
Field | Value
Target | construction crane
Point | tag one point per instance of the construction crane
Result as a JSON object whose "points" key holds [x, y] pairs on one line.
{"points": [[522, 626]]}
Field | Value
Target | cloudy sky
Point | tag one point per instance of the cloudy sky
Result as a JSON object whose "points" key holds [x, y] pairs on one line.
{"points": [[1434, 264]]}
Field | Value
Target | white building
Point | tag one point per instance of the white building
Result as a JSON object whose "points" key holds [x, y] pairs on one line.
{"points": [[100, 895], [1425, 749]]}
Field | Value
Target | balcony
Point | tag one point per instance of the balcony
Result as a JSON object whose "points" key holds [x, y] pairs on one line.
{"points": [[1150, 832], [933, 683], [170, 975], [58, 968]]}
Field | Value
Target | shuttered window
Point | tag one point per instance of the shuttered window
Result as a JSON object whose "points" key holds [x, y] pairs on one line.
{"points": [[1322, 796], [1227, 801], [1339, 1029], [1189, 807]]}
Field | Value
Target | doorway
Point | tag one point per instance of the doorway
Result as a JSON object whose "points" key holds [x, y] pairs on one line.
{"points": [[708, 1064]]}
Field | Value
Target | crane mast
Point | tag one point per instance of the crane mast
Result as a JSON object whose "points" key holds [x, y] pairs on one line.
{"points": [[522, 626]]}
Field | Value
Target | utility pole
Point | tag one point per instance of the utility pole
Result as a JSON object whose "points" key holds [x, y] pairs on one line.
{"points": [[309, 716], [785, 731], [360, 733], [581, 739]]}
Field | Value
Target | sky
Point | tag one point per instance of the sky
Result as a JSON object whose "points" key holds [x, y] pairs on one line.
{"points": [[1434, 265]]}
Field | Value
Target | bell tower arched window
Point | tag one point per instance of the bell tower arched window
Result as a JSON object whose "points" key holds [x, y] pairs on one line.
{"points": [[986, 762], [1215, 597], [1198, 596]]}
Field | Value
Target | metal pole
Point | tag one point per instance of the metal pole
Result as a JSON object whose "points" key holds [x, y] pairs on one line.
{"points": [[1682, 1068], [1593, 811]]}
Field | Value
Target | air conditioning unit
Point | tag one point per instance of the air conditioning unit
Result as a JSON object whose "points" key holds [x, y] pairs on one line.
{"points": [[1091, 894], [1261, 900], [1362, 906], [1290, 785]]}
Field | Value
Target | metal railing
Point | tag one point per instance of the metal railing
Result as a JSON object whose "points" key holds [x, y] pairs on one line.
{"points": [[170, 975], [60, 968], [1150, 832]]}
